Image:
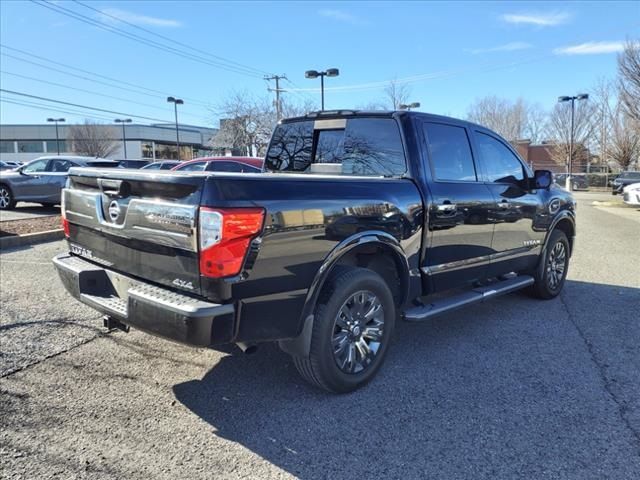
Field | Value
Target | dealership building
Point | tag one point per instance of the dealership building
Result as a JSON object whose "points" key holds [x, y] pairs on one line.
{"points": [[158, 141]]}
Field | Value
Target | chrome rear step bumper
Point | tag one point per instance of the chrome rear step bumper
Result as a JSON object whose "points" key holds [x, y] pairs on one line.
{"points": [[141, 305]]}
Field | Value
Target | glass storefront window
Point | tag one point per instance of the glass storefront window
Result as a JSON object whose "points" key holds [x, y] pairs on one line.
{"points": [[7, 146], [30, 147], [52, 148], [147, 149], [166, 151]]}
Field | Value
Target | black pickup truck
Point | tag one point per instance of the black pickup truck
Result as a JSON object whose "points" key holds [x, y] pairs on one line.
{"points": [[359, 219]]}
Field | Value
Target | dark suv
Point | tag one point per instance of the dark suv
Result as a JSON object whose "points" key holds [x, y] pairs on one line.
{"points": [[624, 179], [359, 219]]}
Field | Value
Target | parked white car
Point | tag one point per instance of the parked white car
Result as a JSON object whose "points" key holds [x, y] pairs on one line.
{"points": [[631, 194]]}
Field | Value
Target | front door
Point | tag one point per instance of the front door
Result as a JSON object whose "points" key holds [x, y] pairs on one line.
{"points": [[28, 186], [516, 244], [459, 227]]}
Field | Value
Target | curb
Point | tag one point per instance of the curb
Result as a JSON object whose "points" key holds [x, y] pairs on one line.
{"points": [[31, 238]]}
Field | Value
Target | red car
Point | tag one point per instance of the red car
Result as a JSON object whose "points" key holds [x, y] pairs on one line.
{"points": [[222, 164]]}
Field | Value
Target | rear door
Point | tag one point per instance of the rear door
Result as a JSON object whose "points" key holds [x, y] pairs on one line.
{"points": [[139, 223], [516, 243], [459, 226], [55, 178]]}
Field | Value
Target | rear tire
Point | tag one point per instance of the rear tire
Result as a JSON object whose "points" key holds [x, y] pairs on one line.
{"points": [[552, 270], [7, 202], [352, 328]]}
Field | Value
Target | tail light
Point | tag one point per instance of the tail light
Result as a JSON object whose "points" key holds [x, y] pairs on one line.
{"points": [[225, 236], [63, 216]]}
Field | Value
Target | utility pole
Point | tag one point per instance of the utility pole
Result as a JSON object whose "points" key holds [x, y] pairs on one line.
{"points": [[277, 78]]}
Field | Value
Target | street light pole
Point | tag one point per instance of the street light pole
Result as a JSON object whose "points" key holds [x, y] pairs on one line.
{"points": [[581, 96], [124, 136], [56, 120], [176, 102], [330, 72]]}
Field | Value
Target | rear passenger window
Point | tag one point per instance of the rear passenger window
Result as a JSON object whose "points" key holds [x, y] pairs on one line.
{"points": [[500, 163], [194, 167], [450, 151], [60, 166]]}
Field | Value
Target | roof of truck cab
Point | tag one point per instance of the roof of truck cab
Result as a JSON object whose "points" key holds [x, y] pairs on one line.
{"points": [[376, 113]]}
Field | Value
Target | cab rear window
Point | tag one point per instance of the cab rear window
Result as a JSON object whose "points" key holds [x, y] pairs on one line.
{"points": [[355, 146]]}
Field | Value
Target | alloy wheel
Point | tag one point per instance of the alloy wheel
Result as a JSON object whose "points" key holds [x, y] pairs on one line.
{"points": [[556, 265], [5, 198], [358, 332]]}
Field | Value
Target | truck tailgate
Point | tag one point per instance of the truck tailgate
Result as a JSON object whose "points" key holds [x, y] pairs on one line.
{"points": [[136, 222]]}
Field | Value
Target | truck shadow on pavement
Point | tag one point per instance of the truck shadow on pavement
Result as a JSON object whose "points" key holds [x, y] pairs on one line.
{"points": [[508, 388]]}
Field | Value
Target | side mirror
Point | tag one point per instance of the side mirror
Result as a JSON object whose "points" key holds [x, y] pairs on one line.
{"points": [[542, 179]]}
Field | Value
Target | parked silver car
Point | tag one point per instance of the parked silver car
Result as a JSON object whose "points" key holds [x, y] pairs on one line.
{"points": [[42, 179], [7, 165]]}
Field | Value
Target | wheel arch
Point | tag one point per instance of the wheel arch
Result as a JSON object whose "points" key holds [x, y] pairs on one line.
{"points": [[375, 250], [565, 222]]}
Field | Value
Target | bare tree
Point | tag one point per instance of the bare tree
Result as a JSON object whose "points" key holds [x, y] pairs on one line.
{"points": [[629, 78], [559, 129], [93, 139], [509, 119], [397, 94], [247, 122], [602, 96], [624, 145], [370, 106], [535, 123]]}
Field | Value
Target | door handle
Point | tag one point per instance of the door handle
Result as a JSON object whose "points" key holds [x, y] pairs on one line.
{"points": [[504, 204], [446, 207]]}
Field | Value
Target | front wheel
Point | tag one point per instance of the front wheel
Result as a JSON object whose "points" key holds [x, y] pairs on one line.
{"points": [[552, 271], [352, 328], [7, 201]]}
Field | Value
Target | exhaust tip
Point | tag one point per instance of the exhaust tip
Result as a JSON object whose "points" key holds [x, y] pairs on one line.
{"points": [[247, 348]]}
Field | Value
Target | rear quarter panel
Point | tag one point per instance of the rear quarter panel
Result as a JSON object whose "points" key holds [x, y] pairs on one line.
{"points": [[306, 218]]}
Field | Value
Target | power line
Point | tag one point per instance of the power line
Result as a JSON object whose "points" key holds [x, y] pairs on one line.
{"points": [[49, 108], [143, 40], [114, 17], [297, 91], [139, 87], [22, 94], [91, 92]]}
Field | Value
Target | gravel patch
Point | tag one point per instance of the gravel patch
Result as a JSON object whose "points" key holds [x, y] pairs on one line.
{"points": [[31, 225]]}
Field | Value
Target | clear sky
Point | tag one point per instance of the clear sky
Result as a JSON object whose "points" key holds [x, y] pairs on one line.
{"points": [[450, 53]]}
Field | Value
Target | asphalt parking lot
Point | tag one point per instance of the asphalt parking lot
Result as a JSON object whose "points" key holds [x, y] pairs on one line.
{"points": [[515, 388]]}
